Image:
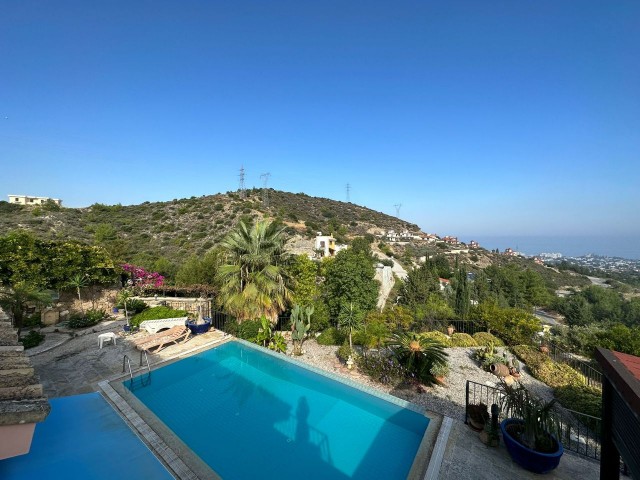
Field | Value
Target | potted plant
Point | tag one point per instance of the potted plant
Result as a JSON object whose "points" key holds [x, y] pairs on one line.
{"points": [[439, 370], [477, 416], [528, 432], [199, 325]]}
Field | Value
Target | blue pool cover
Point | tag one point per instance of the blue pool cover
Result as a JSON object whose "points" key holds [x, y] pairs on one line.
{"points": [[84, 438]]}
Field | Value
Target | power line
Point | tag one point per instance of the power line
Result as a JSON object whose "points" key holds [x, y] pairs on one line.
{"points": [[265, 193], [348, 190], [398, 205], [241, 189]]}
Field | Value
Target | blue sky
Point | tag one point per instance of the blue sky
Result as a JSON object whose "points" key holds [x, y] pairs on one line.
{"points": [[480, 118]]}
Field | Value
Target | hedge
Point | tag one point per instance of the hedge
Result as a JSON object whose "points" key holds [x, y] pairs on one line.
{"points": [[483, 339], [463, 340]]}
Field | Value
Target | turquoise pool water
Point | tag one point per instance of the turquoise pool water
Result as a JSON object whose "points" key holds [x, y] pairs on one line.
{"points": [[249, 414]]}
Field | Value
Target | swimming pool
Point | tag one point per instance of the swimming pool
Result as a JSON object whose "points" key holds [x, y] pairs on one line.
{"points": [[250, 414]]}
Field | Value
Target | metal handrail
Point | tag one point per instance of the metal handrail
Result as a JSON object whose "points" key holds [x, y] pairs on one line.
{"points": [[127, 361]]}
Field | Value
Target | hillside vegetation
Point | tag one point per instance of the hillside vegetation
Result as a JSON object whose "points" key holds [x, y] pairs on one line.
{"points": [[180, 228]]}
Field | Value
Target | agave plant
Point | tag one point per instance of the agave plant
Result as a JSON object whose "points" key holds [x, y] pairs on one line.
{"points": [[418, 354]]}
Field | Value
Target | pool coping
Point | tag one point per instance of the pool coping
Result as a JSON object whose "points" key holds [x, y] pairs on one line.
{"points": [[171, 450]]}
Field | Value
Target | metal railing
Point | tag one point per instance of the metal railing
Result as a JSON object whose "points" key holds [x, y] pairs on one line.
{"points": [[592, 377], [126, 361], [579, 432]]}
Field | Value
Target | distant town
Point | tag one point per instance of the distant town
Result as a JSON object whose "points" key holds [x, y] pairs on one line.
{"points": [[595, 262]]}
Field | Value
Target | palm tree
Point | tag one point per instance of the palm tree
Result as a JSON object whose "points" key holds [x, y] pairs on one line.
{"points": [[78, 282], [14, 300], [252, 279], [418, 353]]}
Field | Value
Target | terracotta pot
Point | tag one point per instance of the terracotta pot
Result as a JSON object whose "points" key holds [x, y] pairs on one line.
{"points": [[450, 330], [499, 369], [544, 349]]}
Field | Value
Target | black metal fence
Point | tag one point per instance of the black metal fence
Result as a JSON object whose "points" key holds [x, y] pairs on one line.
{"points": [[579, 432], [219, 320], [592, 376], [460, 326]]}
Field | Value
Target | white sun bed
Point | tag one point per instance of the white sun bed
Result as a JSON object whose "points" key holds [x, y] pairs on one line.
{"points": [[154, 326]]}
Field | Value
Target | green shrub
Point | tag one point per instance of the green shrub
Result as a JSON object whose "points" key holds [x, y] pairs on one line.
{"points": [[439, 370], [439, 336], [381, 368], [156, 313], [546, 370], [32, 339], [484, 339], [95, 315], [248, 330], [320, 317], [33, 320], [582, 399], [133, 306], [76, 320], [231, 327], [331, 336], [463, 340], [344, 352]]}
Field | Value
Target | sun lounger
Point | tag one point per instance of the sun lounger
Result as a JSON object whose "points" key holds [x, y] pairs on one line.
{"points": [[160, 340], [153, 326]]}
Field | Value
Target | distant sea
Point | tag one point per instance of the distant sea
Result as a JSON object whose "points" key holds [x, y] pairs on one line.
{"points": [[574, 246]]}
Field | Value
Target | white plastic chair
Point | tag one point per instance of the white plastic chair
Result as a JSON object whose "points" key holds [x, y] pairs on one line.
{"points": [[105, 337]]}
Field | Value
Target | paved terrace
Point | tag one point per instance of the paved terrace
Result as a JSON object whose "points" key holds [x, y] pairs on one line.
{"points": [[69, 365]]}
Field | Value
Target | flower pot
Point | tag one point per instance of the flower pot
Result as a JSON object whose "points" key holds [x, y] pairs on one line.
{"points": [[475, 425], [115, 310], [544, 349], [199, 329], [450, 330], [527, 458]]}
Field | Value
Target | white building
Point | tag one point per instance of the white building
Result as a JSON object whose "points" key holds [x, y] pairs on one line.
{"points": [[326, 245], [29, 200]]}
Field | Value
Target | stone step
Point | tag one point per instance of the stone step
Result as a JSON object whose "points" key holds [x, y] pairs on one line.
{"points": [[11, 348], [7, 363], [14, 412], [21, 393], [19, 371]]}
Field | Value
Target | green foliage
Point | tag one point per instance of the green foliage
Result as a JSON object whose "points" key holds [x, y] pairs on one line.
{"points": [[249, 329], [438, 336], [419, 285], [462, 298], [580, 398], [199, 270], [417, 354], [585, 339], [439, 370], [134, 306], [300, 325], [80, 321], [381, 368], [304, 274], [14, 300], [512, 325], [95, 314], [270, 339], [546, 370], [485, 339], [32, 339], [331, 336], [156, 313], [512, 286], [320, 318], [50, 264], [536, 414], [349, 280], [373, 335], [344, 352], [350, 320], [251, 279], [394, 317], [462, 340]]}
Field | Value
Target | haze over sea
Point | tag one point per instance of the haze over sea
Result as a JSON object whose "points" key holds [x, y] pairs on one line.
{"points": [[572, 246]]}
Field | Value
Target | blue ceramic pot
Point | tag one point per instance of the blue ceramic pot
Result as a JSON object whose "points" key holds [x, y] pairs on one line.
{"points": [[199, 329], [528, 459]]}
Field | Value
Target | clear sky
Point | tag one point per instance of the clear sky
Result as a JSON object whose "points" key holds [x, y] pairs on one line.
{"points": [[479, 117]]}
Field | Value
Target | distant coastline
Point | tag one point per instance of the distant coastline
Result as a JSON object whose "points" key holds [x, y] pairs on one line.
{"points": [[568, 246]]}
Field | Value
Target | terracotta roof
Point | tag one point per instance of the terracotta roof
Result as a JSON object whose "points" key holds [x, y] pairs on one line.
{"points": [[630, 362]]}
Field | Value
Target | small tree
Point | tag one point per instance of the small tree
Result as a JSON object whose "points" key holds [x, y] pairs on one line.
{"points": [[350, 320], [78, 282]]}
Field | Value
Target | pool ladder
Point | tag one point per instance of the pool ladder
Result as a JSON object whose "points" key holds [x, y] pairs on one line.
{"points": [[126, 361]]}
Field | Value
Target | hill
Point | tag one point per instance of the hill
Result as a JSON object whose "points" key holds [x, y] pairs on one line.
{"points": [[182, 227]]}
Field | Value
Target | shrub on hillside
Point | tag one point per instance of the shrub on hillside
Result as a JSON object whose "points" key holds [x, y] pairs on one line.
{"points": [[582, 399], [77, 320], [546, 370], [156, 313], [463, 340], [484, 339], [95, 315], [331, 336], [248, 330], [344, 352], [439, 336]]}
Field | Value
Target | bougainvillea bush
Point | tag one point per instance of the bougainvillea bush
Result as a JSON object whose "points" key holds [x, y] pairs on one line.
{"points": [[141, 278]]}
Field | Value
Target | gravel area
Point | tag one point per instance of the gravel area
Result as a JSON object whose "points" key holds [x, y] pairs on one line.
{"points": [[448, 399]]}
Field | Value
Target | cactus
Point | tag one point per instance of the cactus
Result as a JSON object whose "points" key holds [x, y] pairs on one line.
{"points": [[300, 328]]}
